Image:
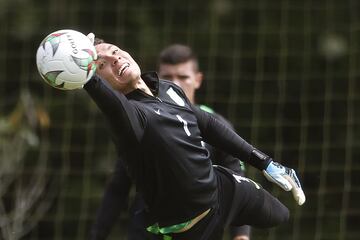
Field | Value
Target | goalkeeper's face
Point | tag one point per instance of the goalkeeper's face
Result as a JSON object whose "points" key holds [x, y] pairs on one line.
{"points": [[117, 67]]}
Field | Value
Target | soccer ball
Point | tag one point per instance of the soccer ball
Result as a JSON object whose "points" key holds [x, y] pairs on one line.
{"points": [[65, 59]]}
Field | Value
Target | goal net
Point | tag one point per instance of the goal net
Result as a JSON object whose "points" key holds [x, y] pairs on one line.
{"points": [[285, 73]]}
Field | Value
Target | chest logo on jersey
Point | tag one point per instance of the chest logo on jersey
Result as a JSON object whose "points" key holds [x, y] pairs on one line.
{"points": [[157, 111], [175, 97]]}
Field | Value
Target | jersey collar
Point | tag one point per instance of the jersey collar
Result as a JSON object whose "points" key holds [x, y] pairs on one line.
{"points": [[151, 79]]}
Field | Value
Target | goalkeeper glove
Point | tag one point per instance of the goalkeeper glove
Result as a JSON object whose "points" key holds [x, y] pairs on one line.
{"points": [[285, 178], [91, 36]]}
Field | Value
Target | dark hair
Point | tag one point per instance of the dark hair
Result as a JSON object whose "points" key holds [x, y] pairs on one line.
{"points": [[178, 53], [98, 41]]}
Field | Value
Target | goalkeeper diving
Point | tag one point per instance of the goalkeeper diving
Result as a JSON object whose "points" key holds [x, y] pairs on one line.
{"points": [[160, 134]]}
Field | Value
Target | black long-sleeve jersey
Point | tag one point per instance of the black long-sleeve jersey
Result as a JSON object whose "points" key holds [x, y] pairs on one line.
{"points": [[116, 194], [161, 139], [219, 157]]}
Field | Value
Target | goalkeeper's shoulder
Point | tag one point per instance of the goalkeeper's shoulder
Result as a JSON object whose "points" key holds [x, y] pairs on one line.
{"points": [[216, 115]]}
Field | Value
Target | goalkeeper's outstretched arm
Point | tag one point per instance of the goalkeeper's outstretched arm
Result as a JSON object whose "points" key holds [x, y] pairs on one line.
{"points": [[223, 137]]}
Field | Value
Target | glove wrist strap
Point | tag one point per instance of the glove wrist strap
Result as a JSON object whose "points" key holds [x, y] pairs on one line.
{"points": [[259, 159]]}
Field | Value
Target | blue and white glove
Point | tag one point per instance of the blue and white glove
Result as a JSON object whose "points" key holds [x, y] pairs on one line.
{"points": [[285, 178]]}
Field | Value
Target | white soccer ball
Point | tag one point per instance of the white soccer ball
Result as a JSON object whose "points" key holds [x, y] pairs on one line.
{"points": [[65, 59]]}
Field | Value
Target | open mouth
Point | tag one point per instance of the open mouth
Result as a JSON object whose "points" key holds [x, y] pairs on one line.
{"points": [[123, 68]]}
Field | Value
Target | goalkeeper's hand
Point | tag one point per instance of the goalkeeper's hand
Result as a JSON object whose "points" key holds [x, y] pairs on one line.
{"points": [[91, 36], [285, 178]]}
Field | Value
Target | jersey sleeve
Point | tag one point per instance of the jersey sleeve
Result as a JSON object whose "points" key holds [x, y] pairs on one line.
{"points": [[223, 137], [223, 158], [124, 117]]}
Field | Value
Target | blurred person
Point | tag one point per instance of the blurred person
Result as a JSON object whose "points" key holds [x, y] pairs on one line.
{"points": [[179, 64], [159, 135]]}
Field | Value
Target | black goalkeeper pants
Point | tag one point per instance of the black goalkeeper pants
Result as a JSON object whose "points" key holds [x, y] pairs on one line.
{"points": [[240, 202]]}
